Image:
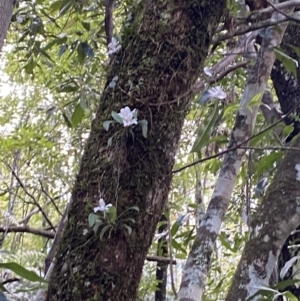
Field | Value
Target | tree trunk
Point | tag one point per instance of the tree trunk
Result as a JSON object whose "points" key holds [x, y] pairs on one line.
{"points": [[288, 91], [6, 10], [199, 260], [276, 217], [162, 55]]}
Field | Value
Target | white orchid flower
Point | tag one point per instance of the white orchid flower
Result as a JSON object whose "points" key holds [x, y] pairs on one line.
{"points": [[102, 206], [113, 46], [128, 116]]}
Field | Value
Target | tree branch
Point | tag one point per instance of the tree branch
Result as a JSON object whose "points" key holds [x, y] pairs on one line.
{"points": [[255, 26], [26, 229], [32, 197]]}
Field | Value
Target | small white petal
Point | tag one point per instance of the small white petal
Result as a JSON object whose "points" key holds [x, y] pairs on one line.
{"points": [[102, 203], [96, 209]]}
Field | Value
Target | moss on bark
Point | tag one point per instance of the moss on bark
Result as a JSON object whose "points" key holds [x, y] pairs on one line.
{"points": [[162, 55]]}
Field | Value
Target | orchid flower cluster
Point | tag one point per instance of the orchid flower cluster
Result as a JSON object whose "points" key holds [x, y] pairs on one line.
{"points": [[127, 118], [108, 219], [102, 206]]}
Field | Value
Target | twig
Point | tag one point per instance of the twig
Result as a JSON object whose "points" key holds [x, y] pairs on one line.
{"points": [[51, 199], [32, 197], [255, 26], [236, 146]]}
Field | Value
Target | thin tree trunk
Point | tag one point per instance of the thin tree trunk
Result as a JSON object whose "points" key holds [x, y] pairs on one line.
{"points": [[6, 10], [199, 260], [162, 268], [162, 55]]}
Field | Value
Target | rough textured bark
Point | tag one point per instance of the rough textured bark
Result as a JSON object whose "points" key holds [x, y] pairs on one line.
{"points": [[198, 263], [285, 84], [277, 216], [288, 91], [6, 10], [162, 54]]}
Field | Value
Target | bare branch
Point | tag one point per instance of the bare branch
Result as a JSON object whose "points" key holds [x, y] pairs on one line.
{"points": [[255, 26], [51, 199], [32, 197], [160, 259], [26, 229]]}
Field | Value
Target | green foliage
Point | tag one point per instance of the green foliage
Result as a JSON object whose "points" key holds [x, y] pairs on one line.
{"points": [[21, 271]]}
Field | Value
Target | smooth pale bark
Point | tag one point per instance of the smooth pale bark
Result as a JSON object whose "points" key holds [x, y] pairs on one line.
{"points": [[199, 260], [6, 10], [162, 54], [276, 217]]}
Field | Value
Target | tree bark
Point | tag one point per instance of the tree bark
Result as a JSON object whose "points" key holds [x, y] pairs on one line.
{"points": [[6, 10], [162, 55], [199, 260], [276, 217], [288, 91]]}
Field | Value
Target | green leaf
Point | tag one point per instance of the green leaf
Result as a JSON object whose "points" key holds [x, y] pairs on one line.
{"points": [[296, 49], [267, 162], [86, 25], [109, 141], [255, 101], [204, 130], [136, 208], [92, 218], [290, 296], [22, 272], [107, 123], [178, 246], [288, 129], [65, 8], [144, 124], [77, 115], [284, 284], [80, 54], [116, 117], [104, 229], [174, 229], [259, 137], [67, 120], [112, 214], [30, 66], [96, 226], [224, 241], [289, 63], [128, 228]]}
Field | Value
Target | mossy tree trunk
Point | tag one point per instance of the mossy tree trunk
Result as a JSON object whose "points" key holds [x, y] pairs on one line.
{"points": [[162, 55]]}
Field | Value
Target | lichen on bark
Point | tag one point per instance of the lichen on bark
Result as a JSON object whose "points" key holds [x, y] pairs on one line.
{"points": [[162, 55], [276, 217]]}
